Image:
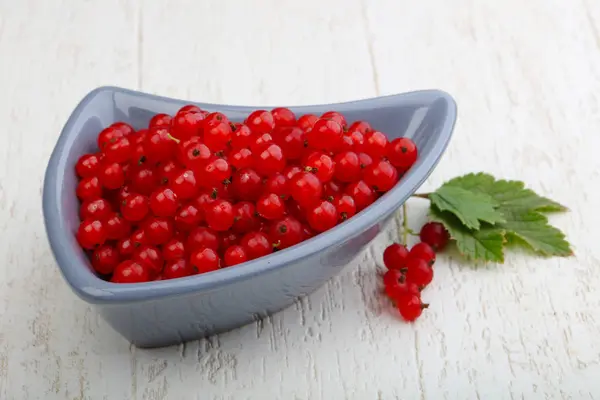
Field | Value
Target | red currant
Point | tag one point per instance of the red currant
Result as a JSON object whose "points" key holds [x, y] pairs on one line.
{"points": [[397, 286], [202, 237], [150, 257], [108, 135], [322, 217], [217, 135], [204, 260], [217, 171], [117, 227], [306, 189], [190, 108], [216, 116], [166, 172], [256, 245], [292, 141], [135, 207], [435, 235], [345, 206], [179, 268], [246, 184], [402, 153], [347, 167], [159, 144], [219, 215], [285, 233], [422, 251], [381, 175], [185, 185], [375, 144], [283, 116], [91, 233], [411, 307], [159, 230], [360, 126], [335, 116], [235, 255], [418, 271], [306, 122], [87, 166], [143, 181], [268, 159], [138, 238], [362, 194], [105, 259], [187, 124], [130, 271], [259, 141], [365, 160], [163, 202], [244, 217], [228, 239], [89, 188], [112, 176], [242, 137], [123, 127], [326, 134], [270, 206], [277, 184], [95, 209], [358, 140], [194, 155], [331, 190], [241, 158], [394, 256], [260, 121], [120, 151], [160, 120], [173, 250], [321, 165], [188, 217]]}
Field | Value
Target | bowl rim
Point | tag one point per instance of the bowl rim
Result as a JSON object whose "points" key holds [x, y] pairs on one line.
{"points": [[95, 290]]}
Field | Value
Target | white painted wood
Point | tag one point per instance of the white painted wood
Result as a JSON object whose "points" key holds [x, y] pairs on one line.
{"points": [[526, 78]]}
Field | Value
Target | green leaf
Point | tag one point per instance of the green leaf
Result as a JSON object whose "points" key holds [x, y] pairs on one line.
{"points": [[509, 195], [469, 206], [533, 230], [485, 244]]}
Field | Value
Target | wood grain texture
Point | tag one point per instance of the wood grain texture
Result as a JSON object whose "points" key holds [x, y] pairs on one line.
{"points": [[526, 76]]}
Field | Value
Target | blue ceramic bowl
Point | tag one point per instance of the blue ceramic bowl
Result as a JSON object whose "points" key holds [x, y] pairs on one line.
{"points": [[167, 312]]}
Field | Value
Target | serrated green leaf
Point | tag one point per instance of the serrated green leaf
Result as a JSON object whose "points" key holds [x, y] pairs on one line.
{"points": [[533, 230], [485, 244], [469, 206], [509, 195]]}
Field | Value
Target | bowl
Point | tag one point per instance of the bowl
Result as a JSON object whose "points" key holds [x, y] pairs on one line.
{"points": [[161, 313]]}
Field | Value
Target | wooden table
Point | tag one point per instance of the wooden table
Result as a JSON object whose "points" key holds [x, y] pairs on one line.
{"points": [[526, 76]]}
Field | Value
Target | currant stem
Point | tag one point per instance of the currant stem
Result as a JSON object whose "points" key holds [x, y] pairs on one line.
{"points": [[421, 195], [405, 227], [173, 138]]}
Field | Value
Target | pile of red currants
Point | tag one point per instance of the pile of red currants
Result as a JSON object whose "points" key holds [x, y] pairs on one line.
{"points": [[196, 192]]}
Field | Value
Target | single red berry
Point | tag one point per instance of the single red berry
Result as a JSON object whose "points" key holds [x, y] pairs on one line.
{"points": [[256, 245], [411, 307], [418, 271], [394, 256], [258, 142], [260, 121], [160, 120], [306, 189], [397, 286], [108, 135], [138, 238], [130, 271], [292, 141], [424, 252], [306, 122], [139, 157], [89, 188], [235, 255], [216, 117], [190, 108], [159, 230], [322, 217], [290, 171], [194, 155], [120, 151], [87, 166], [347, 144], [246, 184], [402, 153], [143, 181], [217, 171], [435, 235], [117, 227], [166, 172], [277, 184], [285, 233], [91, 233], [241, 158], [188, 217], [206, 196], [358, 141], [283, 116], [95, 209], [204, 260], [332, 189], [326, 135], [125, 128], [219, 215], [173, 250], [345, 206], [268, 159], [347, 167], [105, 259], [244, 217], [138, 137], [242, 136], [179, 268], [149, 256], [185, 185], [270, 206], [159, 144], [375, 144], [365, 160], [296, 210], [187, 124], [202, 237], [163, 202], [217, 135], [362, 194], [123, 193], [112, 176], [381, 176], [335, 116], [360, 126], [228, 239], [135, 208], [321, 165]]}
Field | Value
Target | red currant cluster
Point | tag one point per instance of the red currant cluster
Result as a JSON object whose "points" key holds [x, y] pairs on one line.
{"points": [[409, 272], [196, 192]]}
